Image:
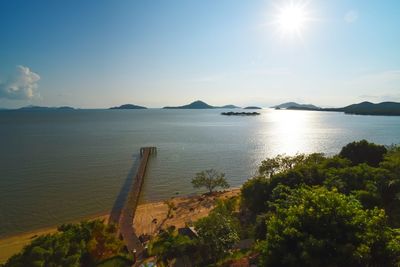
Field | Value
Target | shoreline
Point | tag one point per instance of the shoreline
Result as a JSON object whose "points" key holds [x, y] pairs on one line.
{"points": [[187, 208], [12, 244]]}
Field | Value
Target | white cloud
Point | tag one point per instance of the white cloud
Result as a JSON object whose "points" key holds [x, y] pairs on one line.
{"points": [[351, 16], [20, 86]]}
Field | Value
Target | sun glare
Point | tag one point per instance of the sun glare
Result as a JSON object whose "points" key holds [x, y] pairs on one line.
{"points": [[291, 19]]}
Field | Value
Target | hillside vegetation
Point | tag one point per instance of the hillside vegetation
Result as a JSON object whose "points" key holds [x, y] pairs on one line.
{"points": [[303, 210]]}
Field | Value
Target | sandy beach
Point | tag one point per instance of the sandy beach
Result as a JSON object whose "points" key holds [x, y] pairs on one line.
{"points": [[149, 218], [152, 217]]}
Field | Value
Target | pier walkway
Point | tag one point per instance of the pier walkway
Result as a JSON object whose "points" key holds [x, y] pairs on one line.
{"points": [[125, 220]]}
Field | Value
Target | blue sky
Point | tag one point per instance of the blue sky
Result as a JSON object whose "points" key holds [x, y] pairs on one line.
{"points": [[156, 53]]}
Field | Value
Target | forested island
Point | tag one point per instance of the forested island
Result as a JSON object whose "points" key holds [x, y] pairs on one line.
{"points": [[40, 108], [289, 105], [301, 210], [231, 113], [363, 108], [201, 105], [252, 107], [129, 106]]}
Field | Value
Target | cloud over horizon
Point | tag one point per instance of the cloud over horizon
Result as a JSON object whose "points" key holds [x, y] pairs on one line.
{"points": [[20, 86]]}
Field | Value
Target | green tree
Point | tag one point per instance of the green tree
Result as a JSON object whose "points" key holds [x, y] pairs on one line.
{"points": [[318, 227], [271, 166], [169, 245], [210, 179], [363, 152], [217, 232], [255, 193], [103, 242], [82, 244]]}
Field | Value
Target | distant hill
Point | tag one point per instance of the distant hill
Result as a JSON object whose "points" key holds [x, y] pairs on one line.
{"points": [[293, 105], [39, 108], [194, 105], [252, 107], [303, 108], [201, 105], [368, 108], [363, 108], [228, 106], [129, 106]]}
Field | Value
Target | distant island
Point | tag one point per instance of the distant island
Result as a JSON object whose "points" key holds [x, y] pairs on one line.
{"points": [[228, 106], [252, 107], [293, 105], [363, 108], [129, 106], [194, 105], [39, 108], [231, 113], [201, 105], [368, 108]]}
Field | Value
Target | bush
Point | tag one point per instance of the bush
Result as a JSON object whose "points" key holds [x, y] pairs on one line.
{"points": [[363, 152], [318, 227], [83, 244]]}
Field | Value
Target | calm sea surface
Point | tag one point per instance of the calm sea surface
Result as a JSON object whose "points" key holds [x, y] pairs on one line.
{"points": [[59, 166]]}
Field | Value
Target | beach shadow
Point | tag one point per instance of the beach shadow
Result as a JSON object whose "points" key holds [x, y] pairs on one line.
{"points": [[116, 210]]}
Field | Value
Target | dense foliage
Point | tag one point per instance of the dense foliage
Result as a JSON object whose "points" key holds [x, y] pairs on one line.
{"points": [[312, 210], [84, 244], [327, 211], [363, 152], [318, 227], [216, 235], [218, 232], [169, 245]]}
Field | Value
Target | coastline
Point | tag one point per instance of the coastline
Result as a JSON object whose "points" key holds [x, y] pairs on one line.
{"points": [[10, 245], [149, 218]]}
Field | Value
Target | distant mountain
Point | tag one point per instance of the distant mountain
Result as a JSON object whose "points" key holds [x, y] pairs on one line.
{"points": [[38, 108], [303, 108], [294, 105], [363, 108], [129, 106], [201, 105], [194, 105], [252, 107], [368, 108], [228, 106]]}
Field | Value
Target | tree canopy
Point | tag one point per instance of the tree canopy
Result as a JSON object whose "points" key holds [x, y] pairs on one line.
{"points": [[319, 227], [83, 244], [210, 179], [363, 152]]}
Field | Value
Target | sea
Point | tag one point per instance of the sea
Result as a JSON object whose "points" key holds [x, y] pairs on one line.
{"points": [[58, 166]]}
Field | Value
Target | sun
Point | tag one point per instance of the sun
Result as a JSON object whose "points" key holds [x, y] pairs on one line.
{"points": [[291, 19]]}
